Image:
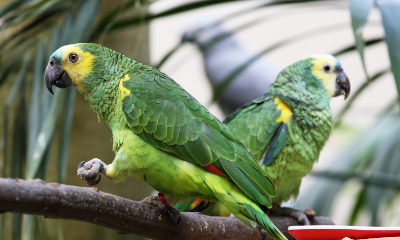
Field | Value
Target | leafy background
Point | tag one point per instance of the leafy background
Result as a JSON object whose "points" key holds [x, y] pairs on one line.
{"points": [[45, 136]]}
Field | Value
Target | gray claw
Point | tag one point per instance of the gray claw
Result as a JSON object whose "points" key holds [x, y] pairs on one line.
{"points": [[98, 180], [300, 216], [81, 164], [172, 212]]}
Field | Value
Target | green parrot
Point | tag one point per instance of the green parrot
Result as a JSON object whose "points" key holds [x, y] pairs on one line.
{"points": [[162, 135], [287, 127]]}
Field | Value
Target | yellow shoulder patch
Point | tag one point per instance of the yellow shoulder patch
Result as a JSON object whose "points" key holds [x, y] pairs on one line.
{"points": [[286, 113], [124, 91]]}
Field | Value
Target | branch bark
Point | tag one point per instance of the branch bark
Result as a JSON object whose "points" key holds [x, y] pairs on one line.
{"points": [[53, 200]]}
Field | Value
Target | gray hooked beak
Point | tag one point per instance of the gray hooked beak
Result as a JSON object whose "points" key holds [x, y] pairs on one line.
{"points": [[56, 75], [342, 84]]}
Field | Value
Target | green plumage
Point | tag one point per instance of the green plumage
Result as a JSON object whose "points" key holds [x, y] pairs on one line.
{"points": [[168, 118], [162, 135], [292, 158], [286, 151]]}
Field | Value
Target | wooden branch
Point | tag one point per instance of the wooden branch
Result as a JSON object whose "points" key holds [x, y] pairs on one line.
{"points": [[53, 200]]}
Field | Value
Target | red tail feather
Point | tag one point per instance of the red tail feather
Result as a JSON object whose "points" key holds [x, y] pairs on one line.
{"points": [[215, 170]]}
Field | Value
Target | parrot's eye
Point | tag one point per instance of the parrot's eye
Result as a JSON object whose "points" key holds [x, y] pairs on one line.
{"points": [[327, 68], [73, 57]]}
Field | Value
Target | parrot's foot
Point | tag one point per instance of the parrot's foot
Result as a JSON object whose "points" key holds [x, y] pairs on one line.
{"points": [[173, 213], [262, 234], [88, 171], [300, 216], [154, 200], [164, 204]]}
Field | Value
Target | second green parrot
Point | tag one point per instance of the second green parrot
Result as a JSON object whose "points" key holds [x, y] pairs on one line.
{"points": [[287, 127]]}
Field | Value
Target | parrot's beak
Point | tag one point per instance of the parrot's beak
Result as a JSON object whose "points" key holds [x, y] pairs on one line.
{"points": [[56, 75], [342, 84]]}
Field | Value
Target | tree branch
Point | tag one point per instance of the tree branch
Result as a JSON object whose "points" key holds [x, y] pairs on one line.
{"points": [[53, 200]]}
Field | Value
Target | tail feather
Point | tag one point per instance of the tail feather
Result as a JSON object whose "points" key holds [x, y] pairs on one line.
{"points": [[185, 206], [262, 219], [205, 207], [244, 208], [193, 205]]}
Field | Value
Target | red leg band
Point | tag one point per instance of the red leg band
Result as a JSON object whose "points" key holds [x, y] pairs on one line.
{"points": [[161, 197]]}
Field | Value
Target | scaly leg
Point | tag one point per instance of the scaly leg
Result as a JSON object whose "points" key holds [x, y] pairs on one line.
{"points": [[299, 215], [88, 171], [262, 234], [164, 203]]}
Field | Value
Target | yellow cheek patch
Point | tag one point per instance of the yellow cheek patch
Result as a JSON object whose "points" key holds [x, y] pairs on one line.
{"points": [[124, 91], [328, 79], [79, 70], [286, 113]]}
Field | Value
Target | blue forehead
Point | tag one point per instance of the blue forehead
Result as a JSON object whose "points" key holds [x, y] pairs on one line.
{"points": [[57, 54], [337, 65]]}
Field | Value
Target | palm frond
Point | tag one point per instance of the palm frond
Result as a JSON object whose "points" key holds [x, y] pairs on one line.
{"points": [[390, 20]]}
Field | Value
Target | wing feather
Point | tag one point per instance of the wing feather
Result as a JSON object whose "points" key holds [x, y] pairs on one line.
{"points": [[255, 125], [167, 117]]}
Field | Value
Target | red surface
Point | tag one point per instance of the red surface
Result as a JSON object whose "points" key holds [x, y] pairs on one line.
{"points": [[340, 232]]}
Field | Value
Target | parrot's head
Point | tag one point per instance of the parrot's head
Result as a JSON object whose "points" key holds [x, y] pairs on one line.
{"points": [[327, 69], [71, 65]]}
